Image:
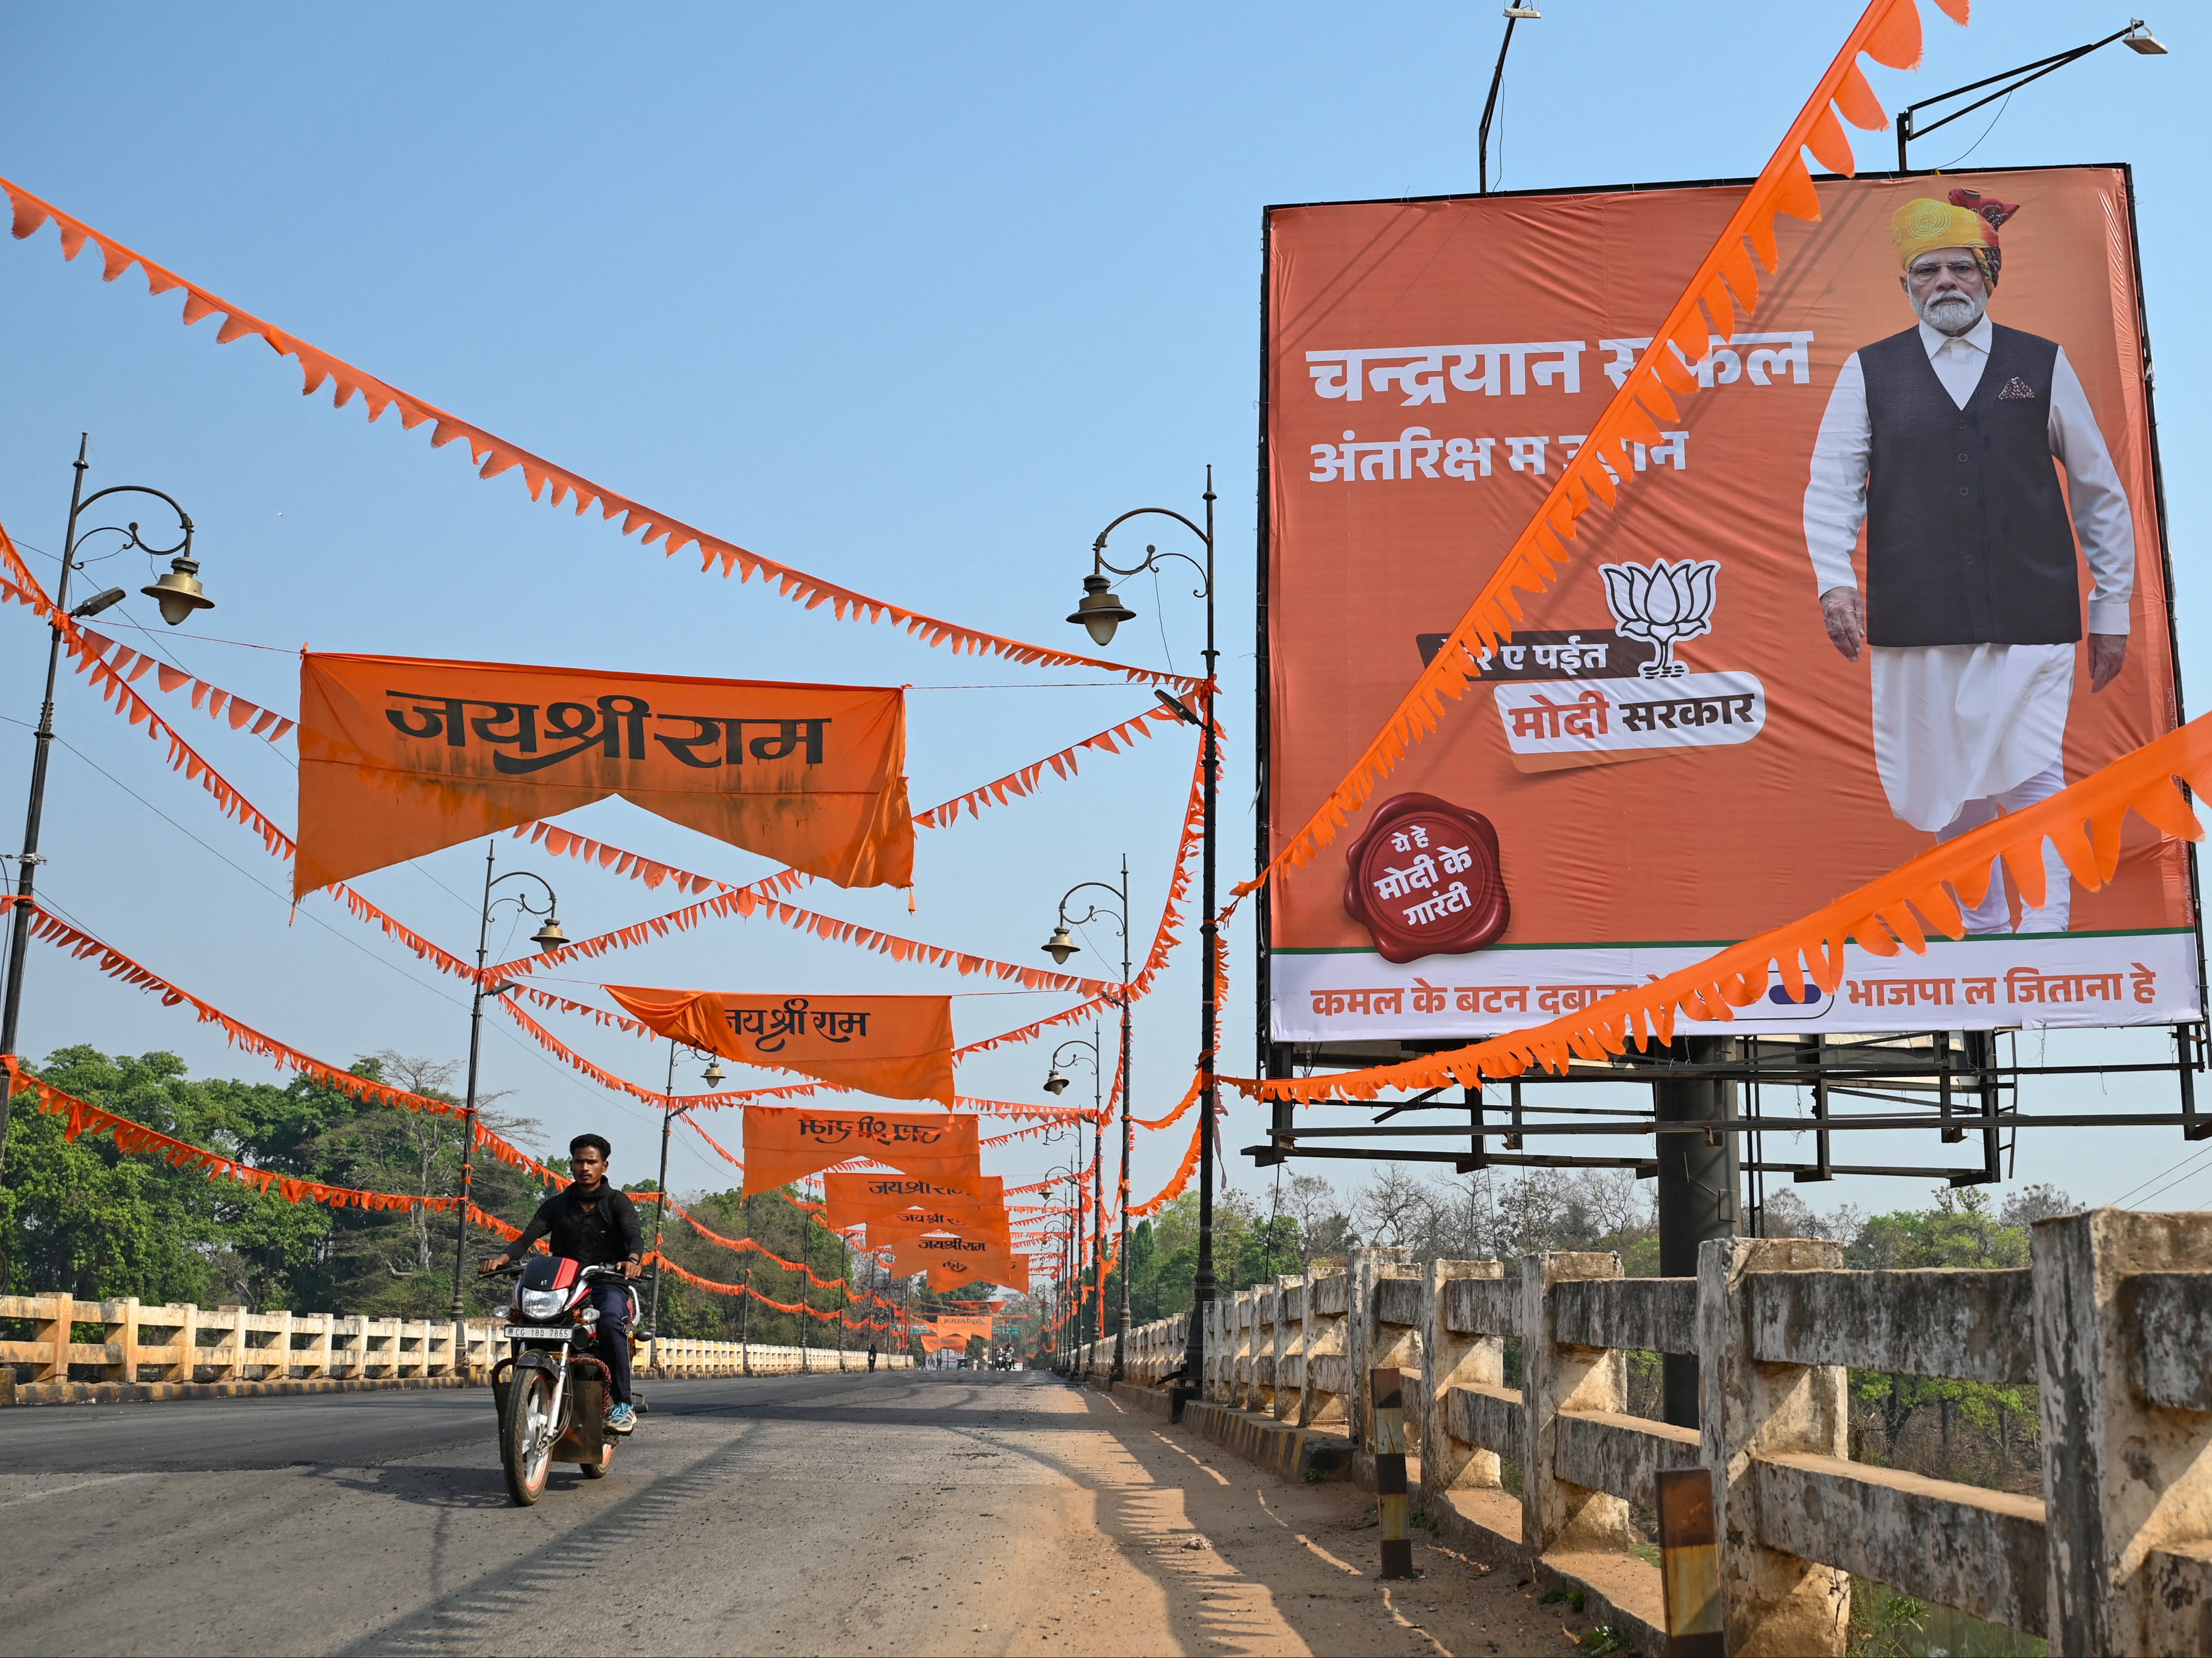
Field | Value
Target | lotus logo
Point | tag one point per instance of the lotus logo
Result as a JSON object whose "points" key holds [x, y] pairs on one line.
{"points": [[1663, 603]]}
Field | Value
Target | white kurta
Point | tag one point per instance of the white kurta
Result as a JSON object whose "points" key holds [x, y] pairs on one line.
{"points": [[1957, 723]]}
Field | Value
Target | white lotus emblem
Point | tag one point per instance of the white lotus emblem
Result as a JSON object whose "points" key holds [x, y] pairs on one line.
{"points": [[1663, 603]]}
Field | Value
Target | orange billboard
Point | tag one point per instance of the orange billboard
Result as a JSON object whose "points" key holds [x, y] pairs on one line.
{"points": [[1897, 568]]}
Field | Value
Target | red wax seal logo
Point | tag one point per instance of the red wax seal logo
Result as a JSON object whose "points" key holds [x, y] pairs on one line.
{"points": [[1425, 879]]}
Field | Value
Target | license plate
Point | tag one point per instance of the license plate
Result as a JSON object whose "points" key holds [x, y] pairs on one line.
{"points": [[527, 1332]]}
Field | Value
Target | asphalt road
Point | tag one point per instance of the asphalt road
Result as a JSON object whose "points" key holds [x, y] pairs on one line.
{"points": [[902, 1512]]}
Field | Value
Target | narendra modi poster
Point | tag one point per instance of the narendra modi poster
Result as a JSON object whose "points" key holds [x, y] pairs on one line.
{"points": [[1898, 567]]}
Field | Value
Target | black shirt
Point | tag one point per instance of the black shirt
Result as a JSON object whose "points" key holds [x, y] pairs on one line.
{"points": [[604, 1234]]}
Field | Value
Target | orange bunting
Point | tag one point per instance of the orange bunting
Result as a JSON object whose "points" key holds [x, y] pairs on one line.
{"points": [[897, 1047], [116, 965], [1889, 32], [1897, 910], [131, 1136], [1015, 784], [496, 456], [218, 703], [393, 763], [1173, 1189]]}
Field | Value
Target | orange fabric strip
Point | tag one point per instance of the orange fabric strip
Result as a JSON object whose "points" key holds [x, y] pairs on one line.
{"points": [[131, 1136], [400, 756], [495, 455], [1173, 1189], [897, 1047], [1889, 31]]}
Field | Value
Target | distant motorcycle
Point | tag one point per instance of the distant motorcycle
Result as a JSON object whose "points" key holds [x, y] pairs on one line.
{"points": [[552, 1389]]}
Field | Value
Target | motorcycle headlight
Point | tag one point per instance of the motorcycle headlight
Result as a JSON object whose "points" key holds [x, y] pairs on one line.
{"points": [[541, 1303]]}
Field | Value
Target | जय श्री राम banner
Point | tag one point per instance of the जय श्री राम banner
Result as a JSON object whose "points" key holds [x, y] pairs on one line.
{"points": [[853, 1197], [401, 756], [899, 1047]]}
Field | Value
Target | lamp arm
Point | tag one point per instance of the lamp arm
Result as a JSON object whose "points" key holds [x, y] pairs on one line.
{"points": [[2041, 66], [182, 516], [552, 898]]}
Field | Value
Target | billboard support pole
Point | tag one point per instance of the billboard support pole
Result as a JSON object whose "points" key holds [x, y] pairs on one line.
{"points": [[1699, 1177]]}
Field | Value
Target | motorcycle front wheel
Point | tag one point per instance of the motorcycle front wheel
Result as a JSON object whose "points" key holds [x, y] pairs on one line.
{"points": [[525, 1449]]}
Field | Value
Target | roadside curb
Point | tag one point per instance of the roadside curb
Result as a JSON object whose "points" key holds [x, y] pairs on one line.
{"points": [[1306, 1455], [151, 1393], [1298, 1455]]}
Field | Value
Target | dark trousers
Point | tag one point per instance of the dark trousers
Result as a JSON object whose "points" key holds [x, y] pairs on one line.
{"points": [[613, 1302]]}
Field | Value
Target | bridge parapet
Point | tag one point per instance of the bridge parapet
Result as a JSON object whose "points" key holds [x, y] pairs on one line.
{"points": [[2111, 1322], [179, 1345]]}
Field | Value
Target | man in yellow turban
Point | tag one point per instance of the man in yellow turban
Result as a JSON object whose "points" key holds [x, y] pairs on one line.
{"points": [[1939, 441]]}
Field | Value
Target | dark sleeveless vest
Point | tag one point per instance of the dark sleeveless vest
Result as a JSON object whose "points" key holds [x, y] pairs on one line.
{"points": [[1967, 537]]}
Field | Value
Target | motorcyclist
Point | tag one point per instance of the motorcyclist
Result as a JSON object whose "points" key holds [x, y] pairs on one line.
{"points": [[594, 1224]]}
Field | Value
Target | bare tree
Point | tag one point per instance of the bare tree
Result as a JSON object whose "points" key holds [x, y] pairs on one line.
{"points": [[1323, 1228], [1393, 1208], [2034, 1203]]}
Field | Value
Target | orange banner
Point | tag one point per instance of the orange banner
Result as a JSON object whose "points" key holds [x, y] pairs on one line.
{"points": [[953, 1334], [976, 1226], [783, 1145], [953, 1262], [899, 1047], [852, 1198], [401, 756]]}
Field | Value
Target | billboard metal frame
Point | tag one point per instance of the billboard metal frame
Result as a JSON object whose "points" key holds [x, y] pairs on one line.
{"points": [[1967, 1082]]}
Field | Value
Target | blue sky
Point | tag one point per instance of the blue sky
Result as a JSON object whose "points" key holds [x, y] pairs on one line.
{"points": [[913, 299]]}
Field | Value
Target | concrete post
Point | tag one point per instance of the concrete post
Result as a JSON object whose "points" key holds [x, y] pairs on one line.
{"points": [[53, 1331], [1364, 1339], [1325, 1340], [1450, 1360], [186, 1369], [1244, 1390], [121, 1332], [1555, 1377], [2123, 1480], [317, 1355], [1775, 1602], [1290, 1318], [284, 1346]]}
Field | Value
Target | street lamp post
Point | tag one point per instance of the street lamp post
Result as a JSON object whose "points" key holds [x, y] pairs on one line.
{"points": [[1100, 612], [1060, 947], [547, 937], [712, 1076], [1056, 1085], [2137, 37], [180, 594]]}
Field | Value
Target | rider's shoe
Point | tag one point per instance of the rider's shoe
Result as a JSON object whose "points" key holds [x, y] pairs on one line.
{"points": [[622, 1419]]}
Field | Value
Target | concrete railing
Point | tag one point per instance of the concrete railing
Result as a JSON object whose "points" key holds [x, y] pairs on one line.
{"points": [[180, 1342], [2111, 1322], [679, 1356], [181, 1345]]}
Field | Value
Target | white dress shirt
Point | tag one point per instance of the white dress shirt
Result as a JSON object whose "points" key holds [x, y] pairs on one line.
{"points": [[1836, 493], [1959, 726]]}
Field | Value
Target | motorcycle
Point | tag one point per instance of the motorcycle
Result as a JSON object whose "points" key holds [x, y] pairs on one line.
{"points": [[553, 1389]]}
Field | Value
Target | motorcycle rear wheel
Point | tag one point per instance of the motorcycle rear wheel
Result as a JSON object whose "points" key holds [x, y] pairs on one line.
{"points": [[525, 1449], [598, 1470]]}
